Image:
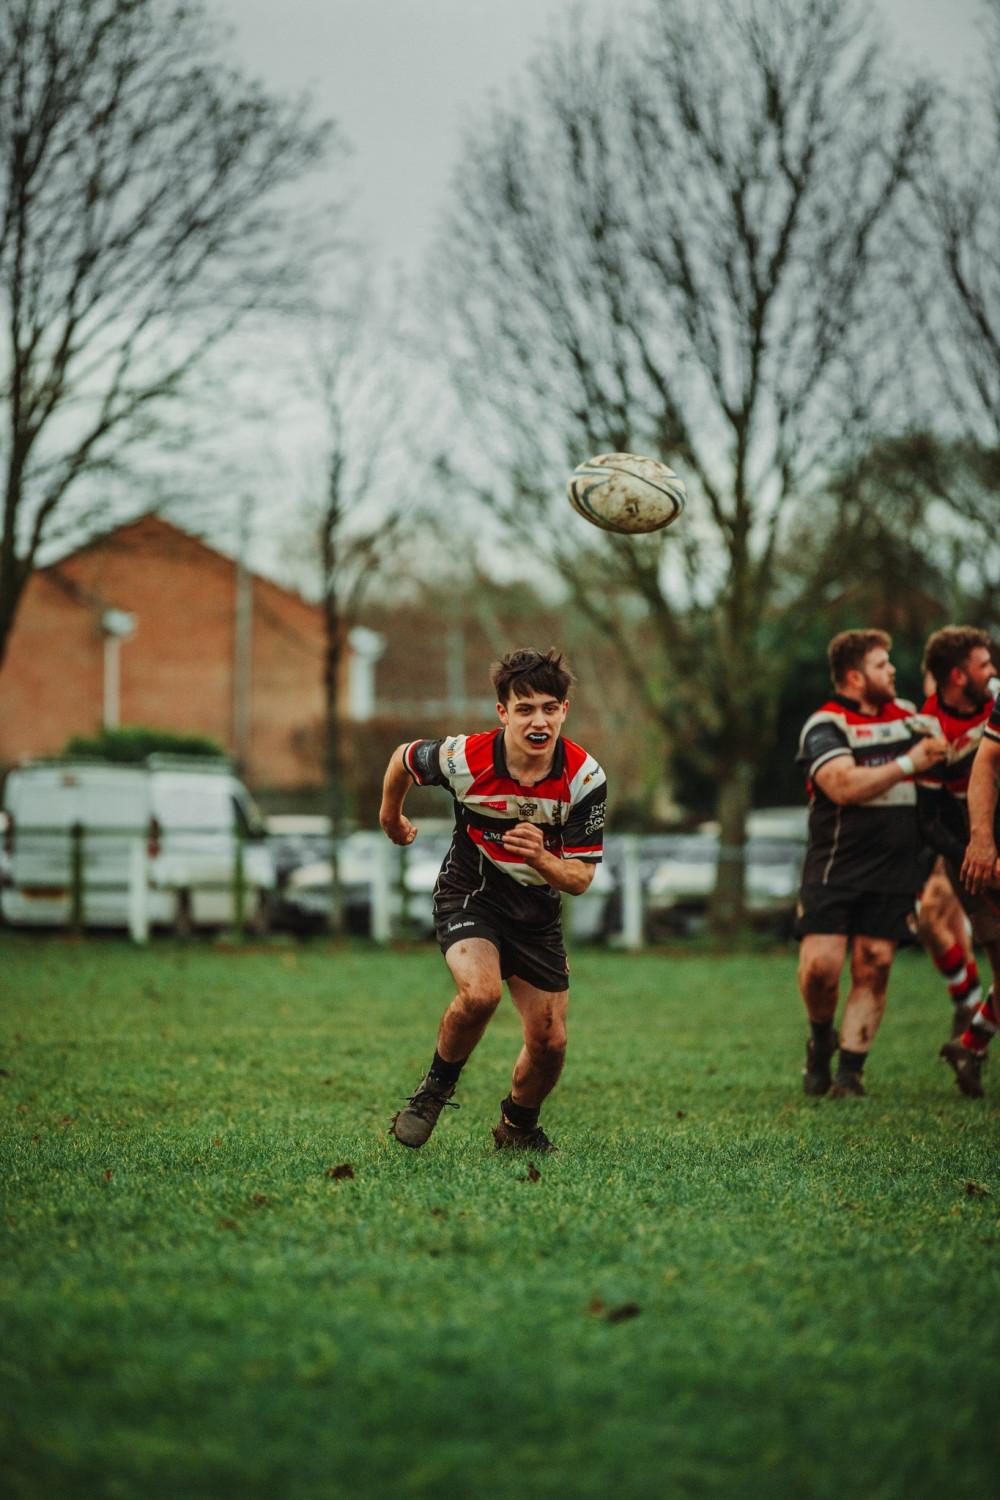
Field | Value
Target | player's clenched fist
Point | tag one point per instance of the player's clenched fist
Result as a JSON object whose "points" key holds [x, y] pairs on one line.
{"points": [[526, 840], [929, 751], [398, 828]]}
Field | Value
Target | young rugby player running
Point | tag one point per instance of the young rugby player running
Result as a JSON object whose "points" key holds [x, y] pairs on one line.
{"points": [[860, 877], [529, 824], [958, 658]]}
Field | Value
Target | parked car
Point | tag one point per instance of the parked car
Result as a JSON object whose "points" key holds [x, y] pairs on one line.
{"points": [[366, 860], [680, 887], [181, 823]]}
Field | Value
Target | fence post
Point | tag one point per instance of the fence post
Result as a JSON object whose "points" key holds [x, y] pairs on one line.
{"points": [[239, 888], [138, 892], [632, 923], [381, 908], [76, 878]]}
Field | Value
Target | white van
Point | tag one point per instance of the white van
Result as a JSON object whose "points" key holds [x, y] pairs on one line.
{"points": [[167, 836]]}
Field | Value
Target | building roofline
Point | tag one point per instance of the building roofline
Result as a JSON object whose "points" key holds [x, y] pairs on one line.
{"points": [[102, 537]]}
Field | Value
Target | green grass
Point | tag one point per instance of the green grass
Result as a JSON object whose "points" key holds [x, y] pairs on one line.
{"points": [[192, 1306]]}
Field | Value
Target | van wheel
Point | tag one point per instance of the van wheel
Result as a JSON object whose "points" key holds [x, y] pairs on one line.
{"points": [[183, 920]]}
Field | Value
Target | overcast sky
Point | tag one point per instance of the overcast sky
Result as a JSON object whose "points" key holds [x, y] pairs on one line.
{"points": [[400, 76]]}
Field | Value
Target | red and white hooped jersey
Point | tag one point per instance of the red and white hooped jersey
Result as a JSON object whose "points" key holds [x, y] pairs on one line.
{"points": [[568, 805], [963, 733], [944, 788]]}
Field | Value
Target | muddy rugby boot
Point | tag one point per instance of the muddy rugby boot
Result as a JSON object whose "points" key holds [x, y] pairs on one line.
{"points": [[509, 1138], [967, 1067], [848, 1086], [816, 1077], [412, 1126]]}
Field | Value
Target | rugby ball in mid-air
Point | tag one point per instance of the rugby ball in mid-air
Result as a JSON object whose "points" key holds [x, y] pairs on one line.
{"points": [[626, 493]]}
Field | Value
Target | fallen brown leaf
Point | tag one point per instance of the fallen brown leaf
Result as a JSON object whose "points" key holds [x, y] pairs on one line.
{"points": [[339, 1173]]}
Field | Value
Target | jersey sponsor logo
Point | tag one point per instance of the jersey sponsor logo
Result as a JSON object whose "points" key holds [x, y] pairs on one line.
{"points": [[526, 810], [497, 806], [596, 820]]}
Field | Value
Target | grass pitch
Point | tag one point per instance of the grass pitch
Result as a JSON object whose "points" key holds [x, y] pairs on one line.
{"points": [[720, 1289]]}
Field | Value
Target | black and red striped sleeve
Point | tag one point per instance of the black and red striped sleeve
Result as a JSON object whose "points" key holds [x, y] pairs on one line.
{"points": [[422, 758], [583, 833]]}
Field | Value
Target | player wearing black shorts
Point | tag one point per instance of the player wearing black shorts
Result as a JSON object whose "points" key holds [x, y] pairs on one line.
{"points": [[958, 658], [860, 752], [980, 876], [529, 824]]}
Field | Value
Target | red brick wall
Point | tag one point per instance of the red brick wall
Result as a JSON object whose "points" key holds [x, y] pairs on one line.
{"points": [[52, 682], [177, 670]]}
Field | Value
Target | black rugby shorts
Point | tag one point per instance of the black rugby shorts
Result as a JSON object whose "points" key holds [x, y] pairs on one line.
{"points": [[832, 909], [537, 957]]}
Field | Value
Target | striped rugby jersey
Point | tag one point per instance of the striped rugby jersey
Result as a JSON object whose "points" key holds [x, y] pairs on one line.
{"points": [[569, 806], [943, 790], [865, 846], [992, 730]]}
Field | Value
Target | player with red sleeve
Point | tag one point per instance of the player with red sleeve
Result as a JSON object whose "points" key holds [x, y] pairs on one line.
{"points": [[529, 825], [959, 660]]}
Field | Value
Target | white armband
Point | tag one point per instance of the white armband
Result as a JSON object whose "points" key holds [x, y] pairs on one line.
{"points": [[905, 764]]}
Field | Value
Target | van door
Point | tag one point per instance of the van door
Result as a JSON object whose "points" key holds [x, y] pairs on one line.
{"points": [[197, 843]]}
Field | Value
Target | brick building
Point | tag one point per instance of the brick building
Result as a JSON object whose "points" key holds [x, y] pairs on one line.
{"points": [[143, 626], [149, 626]]}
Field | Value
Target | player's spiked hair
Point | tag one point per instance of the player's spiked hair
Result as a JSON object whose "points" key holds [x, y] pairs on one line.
{"points": [[532, 672], [847, 651], [951, 647]]}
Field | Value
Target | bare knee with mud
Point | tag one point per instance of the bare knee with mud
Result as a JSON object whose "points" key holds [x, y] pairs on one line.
{"points": [[466, 1018]]}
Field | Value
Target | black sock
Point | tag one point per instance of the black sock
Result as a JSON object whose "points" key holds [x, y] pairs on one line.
{"points": [[446, 1072], [518, 1115], [821, 1033], [851, 1062]]}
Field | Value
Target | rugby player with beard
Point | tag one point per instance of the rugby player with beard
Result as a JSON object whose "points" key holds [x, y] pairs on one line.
{"points": [[959, 660], [529, 825], [981, 877], [861, 874]]}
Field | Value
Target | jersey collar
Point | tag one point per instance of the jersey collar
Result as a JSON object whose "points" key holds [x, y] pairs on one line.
{"points": [[500, 760], [854, 706], [962, 713]]}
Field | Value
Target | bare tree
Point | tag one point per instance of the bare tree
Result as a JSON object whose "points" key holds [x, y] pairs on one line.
{"points": [[362, 513], [955, 280], [677, 242], [140, 220]]}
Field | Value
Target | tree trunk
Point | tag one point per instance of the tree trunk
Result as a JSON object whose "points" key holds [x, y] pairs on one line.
{"points": [[727, 909]]}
